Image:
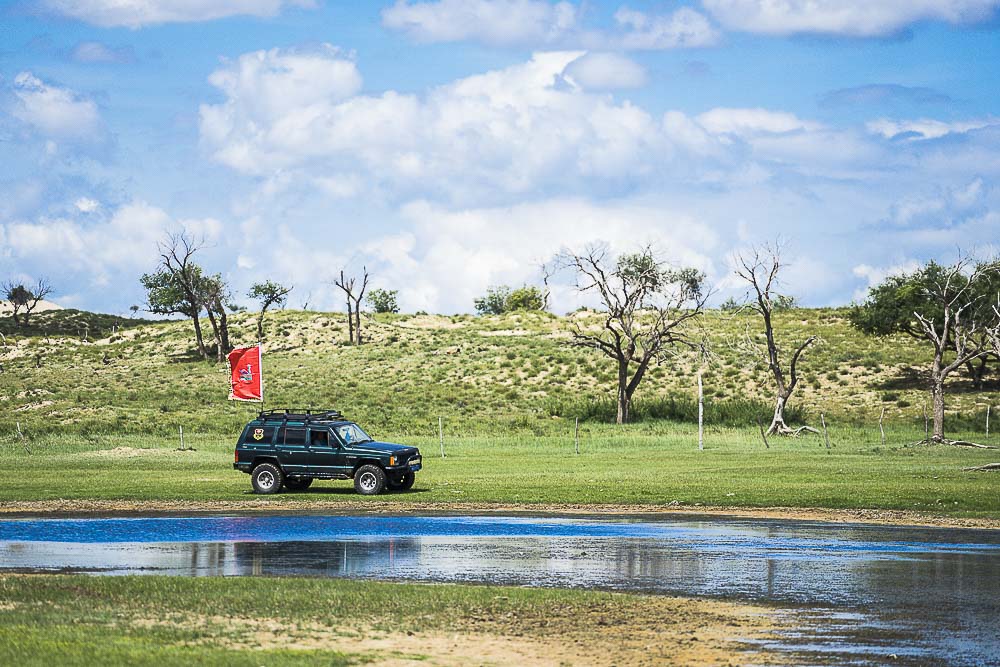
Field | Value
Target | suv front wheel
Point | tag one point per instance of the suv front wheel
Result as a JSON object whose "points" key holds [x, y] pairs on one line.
{"points": [[267, 478], [369, 480]]}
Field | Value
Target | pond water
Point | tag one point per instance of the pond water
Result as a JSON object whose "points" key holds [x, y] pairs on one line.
{"points": [[859, 594]]}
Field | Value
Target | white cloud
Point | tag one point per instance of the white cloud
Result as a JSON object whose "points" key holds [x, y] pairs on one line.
{"points": [[87, 205], [297, 121], [874, 275], [544, 23], [685, 28], [855, 18], [925, 128], [946, 206], [510, 130], [57, 112], [449, 257], [491, 21], [96, 252], [751, 121], [97, 52], [139, 13], [605, 71]]}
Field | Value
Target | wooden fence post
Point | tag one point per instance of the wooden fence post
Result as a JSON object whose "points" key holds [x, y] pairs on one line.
{"points": [[826, 435], [441, 434], [576, 436], [927, 433], [701, 415], [882, 430]]}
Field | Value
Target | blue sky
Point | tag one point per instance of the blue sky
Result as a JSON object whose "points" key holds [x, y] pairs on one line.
{"points": [[452, 145]]}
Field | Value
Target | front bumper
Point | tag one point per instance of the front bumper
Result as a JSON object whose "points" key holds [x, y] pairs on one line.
{"points": [[409, 466]]}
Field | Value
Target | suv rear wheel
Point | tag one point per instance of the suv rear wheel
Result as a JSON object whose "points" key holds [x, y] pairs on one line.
{"points": [[267, 478], [404, 483], [369, 480]]}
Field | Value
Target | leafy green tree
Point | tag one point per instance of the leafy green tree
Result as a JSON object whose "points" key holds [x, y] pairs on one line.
{"points": [[502, 299], [24, 300], [383, 301], [647, 310], [495, 301], [267, 294], [177, 286], [949, 308], [527, 297]]}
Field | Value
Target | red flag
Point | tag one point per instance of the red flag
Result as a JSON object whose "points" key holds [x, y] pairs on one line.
{"points": [[246, 378]]}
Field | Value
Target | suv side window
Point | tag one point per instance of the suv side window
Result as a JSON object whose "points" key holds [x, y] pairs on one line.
{"points": [[319, 438], [291, 436], [257, 435]]}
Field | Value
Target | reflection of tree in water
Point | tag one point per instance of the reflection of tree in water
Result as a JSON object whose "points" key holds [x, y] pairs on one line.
{"points": [[336, 558]]}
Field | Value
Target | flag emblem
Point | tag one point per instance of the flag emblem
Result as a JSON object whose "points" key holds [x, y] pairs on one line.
{"points": [[246, 378]]}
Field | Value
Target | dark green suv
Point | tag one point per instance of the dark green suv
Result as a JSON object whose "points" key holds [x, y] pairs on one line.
{"points": [[290, 448]]}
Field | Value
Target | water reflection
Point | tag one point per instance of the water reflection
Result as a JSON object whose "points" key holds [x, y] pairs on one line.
{"points": [[925, 595]]}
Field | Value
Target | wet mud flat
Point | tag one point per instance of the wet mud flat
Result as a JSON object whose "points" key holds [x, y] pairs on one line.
{"points": [[851, 594]]}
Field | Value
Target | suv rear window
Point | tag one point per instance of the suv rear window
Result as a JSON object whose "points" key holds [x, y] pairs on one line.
{"points": [[291, 436], [255, 435]]}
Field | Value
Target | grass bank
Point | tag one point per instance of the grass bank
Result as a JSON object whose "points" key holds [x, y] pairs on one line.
{"points": [[641, 465], [81, 620]]}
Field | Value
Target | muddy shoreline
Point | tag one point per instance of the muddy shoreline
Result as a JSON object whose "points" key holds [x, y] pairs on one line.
{"points": [[98, 508]]}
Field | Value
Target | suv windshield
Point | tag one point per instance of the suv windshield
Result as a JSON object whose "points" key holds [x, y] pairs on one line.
{"points": [[352, 433]]}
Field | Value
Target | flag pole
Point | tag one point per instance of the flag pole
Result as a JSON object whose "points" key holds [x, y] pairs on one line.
{"points": [[260, 361]]}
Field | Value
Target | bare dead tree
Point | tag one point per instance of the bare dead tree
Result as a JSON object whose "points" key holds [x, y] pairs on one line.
{"points": [[759, 267], [349, 285], [647, 310]]}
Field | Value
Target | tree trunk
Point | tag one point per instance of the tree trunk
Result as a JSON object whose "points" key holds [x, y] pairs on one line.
{"points": [[624, 395], [350, 322], [216, 335], [778, 424], [224, 332], [937, 397], [357, 321], [198, 337], [260, 326]]}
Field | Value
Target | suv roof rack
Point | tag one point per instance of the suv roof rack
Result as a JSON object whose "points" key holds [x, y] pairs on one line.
{"points": [[300, 414]]}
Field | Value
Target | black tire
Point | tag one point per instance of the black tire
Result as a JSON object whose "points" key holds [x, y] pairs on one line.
{"points": [[267, 478], [404, 483], [298, 483], [369, 480]]}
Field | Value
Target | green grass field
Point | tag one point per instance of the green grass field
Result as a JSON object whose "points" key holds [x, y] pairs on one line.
{"points": [[83, 620], [100, 416], [646, 464]]}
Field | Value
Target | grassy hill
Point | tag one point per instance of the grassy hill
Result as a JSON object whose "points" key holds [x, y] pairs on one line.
{"points": [[515, 372]]}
